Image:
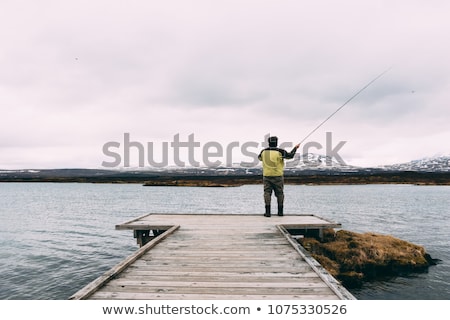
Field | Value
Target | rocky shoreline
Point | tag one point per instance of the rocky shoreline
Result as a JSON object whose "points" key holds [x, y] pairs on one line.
{"points": [[354, 258]]}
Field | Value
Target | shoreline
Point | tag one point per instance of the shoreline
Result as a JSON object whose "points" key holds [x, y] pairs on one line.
{"points": [[233, 180]]}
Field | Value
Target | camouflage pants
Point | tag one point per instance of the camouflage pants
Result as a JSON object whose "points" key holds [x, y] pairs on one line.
{"points": [[275, 184]]}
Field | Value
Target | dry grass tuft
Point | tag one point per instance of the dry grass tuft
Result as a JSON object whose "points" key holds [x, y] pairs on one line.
{"points": [[353, 257]]}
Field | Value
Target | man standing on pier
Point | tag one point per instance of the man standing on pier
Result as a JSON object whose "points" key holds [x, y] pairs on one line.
{"points": [[273, 167]]}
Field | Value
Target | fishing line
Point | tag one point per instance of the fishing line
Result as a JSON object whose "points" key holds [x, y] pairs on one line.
{"points": [[346, 102]]}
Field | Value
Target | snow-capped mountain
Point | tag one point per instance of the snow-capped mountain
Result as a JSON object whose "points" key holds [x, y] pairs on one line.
{"points": [[312, 160], [430, 164]]}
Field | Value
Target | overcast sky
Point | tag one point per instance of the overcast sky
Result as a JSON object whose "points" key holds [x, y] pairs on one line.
{"points": [[75, 75]]}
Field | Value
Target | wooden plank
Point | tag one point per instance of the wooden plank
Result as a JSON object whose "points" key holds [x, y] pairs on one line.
{"points": [[241, 269], [222, 221], [248, 263], [340, 291], [321, 289], [208, 296], [142, 274], [223, 278], [137, 285], [212, 257]]}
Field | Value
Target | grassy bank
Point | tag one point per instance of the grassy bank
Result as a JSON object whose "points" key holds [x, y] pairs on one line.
{"points": [[354, 257]]}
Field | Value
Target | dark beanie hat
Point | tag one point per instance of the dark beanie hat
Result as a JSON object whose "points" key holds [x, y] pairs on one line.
{"points": [[273, 141]]}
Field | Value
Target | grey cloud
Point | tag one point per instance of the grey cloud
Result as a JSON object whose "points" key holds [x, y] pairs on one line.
{"points": [[156, 68]]}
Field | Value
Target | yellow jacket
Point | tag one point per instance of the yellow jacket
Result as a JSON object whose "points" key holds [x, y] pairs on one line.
{"points": [[273, 160]]}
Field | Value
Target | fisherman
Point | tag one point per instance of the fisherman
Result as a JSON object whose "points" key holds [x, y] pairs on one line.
{"points": [[273, 166]]}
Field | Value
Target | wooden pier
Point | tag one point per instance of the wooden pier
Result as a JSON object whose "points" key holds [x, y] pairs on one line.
{"points": [[218, 257]]}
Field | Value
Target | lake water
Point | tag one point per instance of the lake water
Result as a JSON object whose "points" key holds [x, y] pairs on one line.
{"points": [[57, 237]]}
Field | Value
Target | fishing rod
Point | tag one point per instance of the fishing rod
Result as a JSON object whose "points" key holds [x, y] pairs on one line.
{"points": [[346, 102]]}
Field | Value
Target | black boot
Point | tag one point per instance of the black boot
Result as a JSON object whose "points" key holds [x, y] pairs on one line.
{"points": [[280, 211], [267, 214]]}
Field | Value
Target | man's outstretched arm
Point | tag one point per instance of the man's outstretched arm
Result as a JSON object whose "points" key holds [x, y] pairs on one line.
{"points": [[290, 155]]}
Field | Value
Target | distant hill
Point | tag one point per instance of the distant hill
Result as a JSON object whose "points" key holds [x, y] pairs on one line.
{"points": [[309, 169], [433, 164]]}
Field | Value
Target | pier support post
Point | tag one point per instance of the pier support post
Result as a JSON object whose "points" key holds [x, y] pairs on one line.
{"points": [[144, 236]]}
